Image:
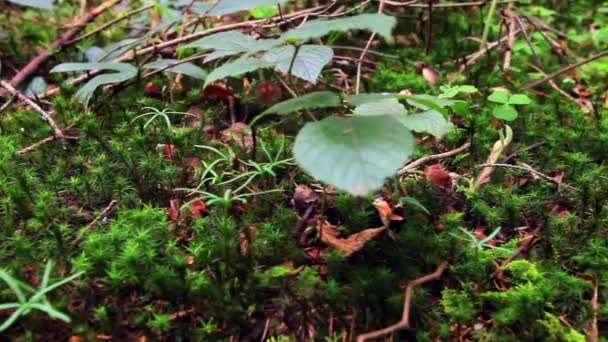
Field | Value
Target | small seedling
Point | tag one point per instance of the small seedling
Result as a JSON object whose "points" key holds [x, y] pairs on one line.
{"points": [[37, 301], [155, 113], [480, 244], [448, 92], [506, 110]]}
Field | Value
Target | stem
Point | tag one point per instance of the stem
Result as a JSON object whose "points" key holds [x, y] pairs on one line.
{"points": [[486, 28]]}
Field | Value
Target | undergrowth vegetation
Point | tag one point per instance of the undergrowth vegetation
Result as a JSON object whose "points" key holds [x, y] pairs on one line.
{"points": [[283, 180]]}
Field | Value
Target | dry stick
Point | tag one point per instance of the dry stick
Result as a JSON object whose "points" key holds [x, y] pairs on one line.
{"points": [[109, 23], [60, 43], [103, 214], [429, 29], [560, 90], [510, 37], [45, 141], [176, 63], [594, 334], [564, 70], [404, 323], [530, 170], [170, 43], [444, 5], [362, 57], [470, 59], [58, 132], [432, 157]]}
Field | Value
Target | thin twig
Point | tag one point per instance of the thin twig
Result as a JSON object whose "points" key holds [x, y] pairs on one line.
{"points": [[59, 44], [564, 70], [404, 323], [45, 141], [109, 23], [510, 16], [58, 131], [532, 171], [367, 46], [432, 157], [102, 215]]}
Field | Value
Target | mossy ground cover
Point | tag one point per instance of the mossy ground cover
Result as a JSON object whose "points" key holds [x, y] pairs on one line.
{"points": [[193, 227]]}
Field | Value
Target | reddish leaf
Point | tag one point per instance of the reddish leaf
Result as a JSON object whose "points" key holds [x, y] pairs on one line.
{"points": [[438, 176], [268, 93], [217, 91], [152, 90], [197, 208], [174, 209]]}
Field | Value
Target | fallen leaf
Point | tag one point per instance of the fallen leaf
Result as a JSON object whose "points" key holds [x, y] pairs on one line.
{"points": [[174, 209], [217, 91], [385, 211], [268, 93], [303, 196], [438, 176], [430, 74], [197, 208], [351, 244], [240, 133]]}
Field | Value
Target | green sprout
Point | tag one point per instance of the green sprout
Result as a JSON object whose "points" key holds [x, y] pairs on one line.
{"points": [[155, 113], [37, 301]]}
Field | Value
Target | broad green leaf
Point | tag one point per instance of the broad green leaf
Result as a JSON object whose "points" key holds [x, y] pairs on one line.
{"points": [[431, 122], [43, 4], [231, 43], [451, 91], [221, 7], [36, 86], [355, 154], [427, 102], [505, 112], [389, 106], [499, 96], [264, 12], [359, 99], [381, 24], [319, 99], [124, 72], [519, 99], [188, 69], [236, 68], [308, 63]]}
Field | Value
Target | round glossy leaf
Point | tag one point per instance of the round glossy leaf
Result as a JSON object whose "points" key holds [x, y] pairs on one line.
{"points": [[505, 112], [355, 154]]}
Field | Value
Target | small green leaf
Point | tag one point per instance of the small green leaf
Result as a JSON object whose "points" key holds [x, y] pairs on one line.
{"points": [[358, 152], [320, 99], [431, 121], [359, 99], [505, 112], [231, 43], [216, 8], [308, 63], [426, 102], [42, 4], [124, 72], [236, 68], [499, 96], [381, 24], [519, 99], [411, 201], [187, 69], [264, 12]]}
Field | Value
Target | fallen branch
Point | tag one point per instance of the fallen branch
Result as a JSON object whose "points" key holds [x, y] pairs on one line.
{"points": [[531, 171], [432, 157], [564, 70], [58, 131], [63, 41], [404, 323], [45, 141], [103, 214]]}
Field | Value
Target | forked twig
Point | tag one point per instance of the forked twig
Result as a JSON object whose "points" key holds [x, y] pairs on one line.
{"points": [[103, 214], [57, 130], [404, 323], [432, 157]]}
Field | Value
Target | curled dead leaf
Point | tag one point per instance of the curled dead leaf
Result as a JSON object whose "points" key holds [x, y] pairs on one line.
{"points": [[239, 133], [350, 245]]}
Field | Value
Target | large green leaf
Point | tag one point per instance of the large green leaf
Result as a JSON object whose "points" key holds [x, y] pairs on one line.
{"points": [[221, 7], [355, 154], [188, 69], [359, 99], [236, 68], [308, 63], [124, 71], [319, 99], [431, 122], [389, 106], [43, 4], [381, 24], [231, 43]]}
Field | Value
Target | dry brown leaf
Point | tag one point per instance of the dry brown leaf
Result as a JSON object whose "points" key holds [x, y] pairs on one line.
{"points": [[351, 244], [304, 196], [385, 211], [239, 133]]}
